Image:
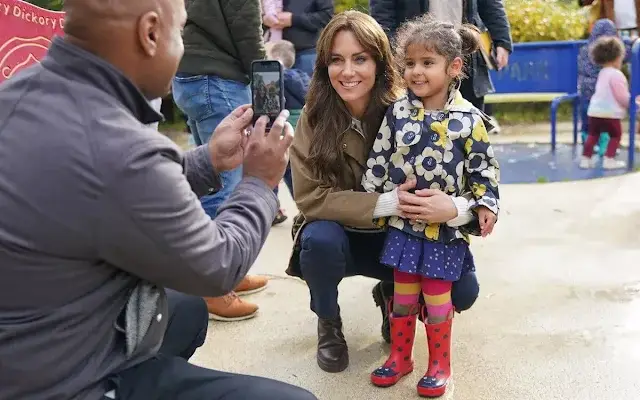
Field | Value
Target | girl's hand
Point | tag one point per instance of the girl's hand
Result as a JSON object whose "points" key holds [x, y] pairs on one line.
{"points": [[487, 220]]}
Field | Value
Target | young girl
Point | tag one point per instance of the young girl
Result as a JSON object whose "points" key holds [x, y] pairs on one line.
{"points": [[437, 138], [609, 102], [270, 9]]}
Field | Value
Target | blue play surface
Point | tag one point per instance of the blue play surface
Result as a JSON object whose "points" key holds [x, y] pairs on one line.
{"points": [[530, 163]]}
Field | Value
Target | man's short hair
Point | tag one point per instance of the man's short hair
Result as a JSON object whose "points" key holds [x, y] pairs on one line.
{"points": [[282, 50]]}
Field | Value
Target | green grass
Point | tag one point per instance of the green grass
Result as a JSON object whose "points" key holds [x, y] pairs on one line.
{"points": [[518, 113], [178, 125]]}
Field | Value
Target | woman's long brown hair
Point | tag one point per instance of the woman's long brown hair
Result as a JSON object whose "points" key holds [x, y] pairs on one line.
{"points": [[327, 114]]}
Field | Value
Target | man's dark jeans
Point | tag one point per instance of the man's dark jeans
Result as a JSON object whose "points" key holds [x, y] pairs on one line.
{"points": [[331, 253], [170, 376]]}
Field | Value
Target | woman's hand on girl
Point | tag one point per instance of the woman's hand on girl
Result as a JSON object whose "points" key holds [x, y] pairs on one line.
{"points": [[426, 205]]}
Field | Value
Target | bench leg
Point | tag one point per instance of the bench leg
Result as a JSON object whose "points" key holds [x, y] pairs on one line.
{"points": [[633, 111], [554, 117], [576, 107]]}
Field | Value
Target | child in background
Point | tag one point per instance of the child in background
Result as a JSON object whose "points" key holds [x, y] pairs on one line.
{"points": [[609, 102], [435, 137], [588, 74], [296, 86], [296, 81], [270, 9]]}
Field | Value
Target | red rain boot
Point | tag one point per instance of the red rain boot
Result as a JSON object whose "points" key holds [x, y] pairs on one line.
{"points": [[435, 381], [400, 361]]}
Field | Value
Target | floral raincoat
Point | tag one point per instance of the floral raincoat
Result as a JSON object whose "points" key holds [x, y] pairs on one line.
{"points": [[444, 149]]}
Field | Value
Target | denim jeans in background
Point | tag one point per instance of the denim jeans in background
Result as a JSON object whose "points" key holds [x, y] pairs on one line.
{"points": [[288, 180], [306, 61], [206, 100]]}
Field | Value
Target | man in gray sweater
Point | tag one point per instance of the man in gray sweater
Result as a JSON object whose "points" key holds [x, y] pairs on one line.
{"points": [[99, 213]]}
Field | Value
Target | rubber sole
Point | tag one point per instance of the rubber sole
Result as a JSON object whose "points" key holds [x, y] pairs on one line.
{"points": [[216, 317], [381, 383], [334, 368], [252, 291]]}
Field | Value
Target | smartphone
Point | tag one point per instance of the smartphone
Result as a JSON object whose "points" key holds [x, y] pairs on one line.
{"points": [[267, 90]]}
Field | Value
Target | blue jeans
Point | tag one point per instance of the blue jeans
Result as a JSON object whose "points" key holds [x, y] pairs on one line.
{"points": [[206, 101], [306, 60], [288, 180], [330, 253]]}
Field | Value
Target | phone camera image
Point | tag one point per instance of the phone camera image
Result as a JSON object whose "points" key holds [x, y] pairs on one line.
{"points": [[266, 93]]}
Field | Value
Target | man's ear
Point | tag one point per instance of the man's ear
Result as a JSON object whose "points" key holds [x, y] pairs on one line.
{"points": [[455, 67], [149, 32]]}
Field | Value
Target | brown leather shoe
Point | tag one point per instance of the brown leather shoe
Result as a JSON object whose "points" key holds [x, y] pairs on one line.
{"points": [[333, 354], [230, 308], [251, 284]]}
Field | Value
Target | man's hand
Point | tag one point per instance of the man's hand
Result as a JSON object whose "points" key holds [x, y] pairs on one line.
{"points": [[427, 205], [502, 57], [487, 220], [226, 143], [266, 152], [285, 20]]}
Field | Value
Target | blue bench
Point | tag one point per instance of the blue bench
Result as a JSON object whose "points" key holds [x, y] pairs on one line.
{"points": [[541, 72]]}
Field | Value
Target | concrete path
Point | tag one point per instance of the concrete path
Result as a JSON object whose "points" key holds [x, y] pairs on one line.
{"points": [[558, 316]]}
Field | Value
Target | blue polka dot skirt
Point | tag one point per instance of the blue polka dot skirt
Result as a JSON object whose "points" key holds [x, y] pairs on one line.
{"points": [[414, 255]]}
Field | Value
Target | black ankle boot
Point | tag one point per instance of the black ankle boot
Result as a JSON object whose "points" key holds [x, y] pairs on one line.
{"points": [[383, 292], [333, 354]]}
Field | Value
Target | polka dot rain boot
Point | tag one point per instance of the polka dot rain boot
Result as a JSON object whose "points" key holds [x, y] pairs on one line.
{"points": [[435, 381], [400, 361]]}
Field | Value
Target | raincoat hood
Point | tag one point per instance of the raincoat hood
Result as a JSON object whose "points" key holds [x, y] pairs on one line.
{"points": [[603, 27]]}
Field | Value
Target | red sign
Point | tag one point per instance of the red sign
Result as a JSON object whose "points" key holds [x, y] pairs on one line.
{"points": [[26, 32]]}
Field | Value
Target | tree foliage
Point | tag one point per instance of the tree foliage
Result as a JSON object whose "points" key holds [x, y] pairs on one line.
{"points": [[531, 20], [360, 5], [55, 5]]}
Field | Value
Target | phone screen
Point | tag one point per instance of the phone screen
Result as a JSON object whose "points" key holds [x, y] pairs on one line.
{"points": [[266, 87]]}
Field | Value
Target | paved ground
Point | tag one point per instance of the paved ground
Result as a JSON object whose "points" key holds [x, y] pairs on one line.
{"points": [[558, 316]]}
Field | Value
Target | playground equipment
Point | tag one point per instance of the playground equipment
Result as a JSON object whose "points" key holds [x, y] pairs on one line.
{"points": [[548, 72]]}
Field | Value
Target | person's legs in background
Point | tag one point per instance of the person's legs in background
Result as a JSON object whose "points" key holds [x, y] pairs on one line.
{"points": [[467, 92], [288, 179], [306, 60], [171, 375], [584, 119], [280, 216], [614, 129], [206, 101], [494, 127]]}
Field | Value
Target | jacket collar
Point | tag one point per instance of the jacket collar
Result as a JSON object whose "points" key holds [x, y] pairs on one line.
{"points": [[77, 64], [455, 102]]}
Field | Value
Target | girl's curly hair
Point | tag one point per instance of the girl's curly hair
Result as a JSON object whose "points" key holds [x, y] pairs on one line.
{"points": [[444, 38]]}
